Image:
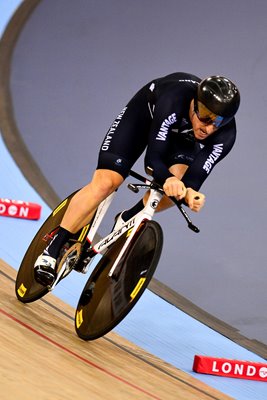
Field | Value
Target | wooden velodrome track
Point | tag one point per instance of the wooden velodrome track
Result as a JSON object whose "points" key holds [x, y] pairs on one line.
{"points": [[42, 358]]}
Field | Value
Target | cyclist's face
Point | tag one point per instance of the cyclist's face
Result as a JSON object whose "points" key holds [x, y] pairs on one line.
{"points": [[201, 129]]}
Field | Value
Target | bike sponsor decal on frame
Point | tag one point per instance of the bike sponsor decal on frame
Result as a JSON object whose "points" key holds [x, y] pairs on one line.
{"points": [[154, 204], [114, 235]]}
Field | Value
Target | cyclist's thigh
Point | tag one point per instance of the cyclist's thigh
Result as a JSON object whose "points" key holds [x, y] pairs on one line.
{"points": [[127, 137]]}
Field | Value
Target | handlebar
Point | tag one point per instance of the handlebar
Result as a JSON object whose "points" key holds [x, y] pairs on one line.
{"points": [[148, 184], [190, 224]]}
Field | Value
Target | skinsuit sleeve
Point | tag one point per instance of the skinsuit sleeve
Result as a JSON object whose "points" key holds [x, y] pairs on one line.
{"points": [[216, 147], [167, 113]]}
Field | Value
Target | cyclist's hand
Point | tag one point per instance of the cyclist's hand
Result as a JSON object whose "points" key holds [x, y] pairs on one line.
{"points": [[195, 200], [174, 187]]}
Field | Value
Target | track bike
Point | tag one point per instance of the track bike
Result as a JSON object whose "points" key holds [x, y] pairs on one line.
{"points": [[130, 255]]}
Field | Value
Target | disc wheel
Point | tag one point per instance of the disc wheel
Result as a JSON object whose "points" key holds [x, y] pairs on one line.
{"points": [[105, 300], [27, 289]]}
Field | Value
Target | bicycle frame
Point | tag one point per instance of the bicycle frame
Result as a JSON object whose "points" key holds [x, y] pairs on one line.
{"points": [[155, 195], [132, 224]]}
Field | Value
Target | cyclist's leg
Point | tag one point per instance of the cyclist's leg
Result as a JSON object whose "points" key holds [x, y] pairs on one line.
{"points": [[78, 214], [128, 136], [122, 146], [83, 205]]}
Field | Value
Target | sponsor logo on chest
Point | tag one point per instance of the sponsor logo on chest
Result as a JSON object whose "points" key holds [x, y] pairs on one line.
{"points": [[164, 129]]}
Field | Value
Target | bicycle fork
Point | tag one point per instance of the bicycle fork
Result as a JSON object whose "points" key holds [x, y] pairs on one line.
{"points": [[146, 214]]}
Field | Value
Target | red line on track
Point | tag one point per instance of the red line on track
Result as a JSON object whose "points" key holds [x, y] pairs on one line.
{"points": [[85, 360]]}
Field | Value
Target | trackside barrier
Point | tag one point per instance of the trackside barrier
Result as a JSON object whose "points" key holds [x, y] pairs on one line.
{"points": [[19, 209], [230, 368]]}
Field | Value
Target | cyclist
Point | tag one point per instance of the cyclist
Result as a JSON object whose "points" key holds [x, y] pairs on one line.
{"points": [[185, 124]]}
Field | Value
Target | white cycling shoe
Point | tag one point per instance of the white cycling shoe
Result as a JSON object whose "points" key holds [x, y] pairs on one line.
{"points": [[45, 270]]}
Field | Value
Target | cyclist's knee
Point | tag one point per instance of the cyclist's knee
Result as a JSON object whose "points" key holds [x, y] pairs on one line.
{"points": [[105, 182]]}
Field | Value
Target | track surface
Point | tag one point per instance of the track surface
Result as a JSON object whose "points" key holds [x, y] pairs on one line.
{"points": [[41, 358]]}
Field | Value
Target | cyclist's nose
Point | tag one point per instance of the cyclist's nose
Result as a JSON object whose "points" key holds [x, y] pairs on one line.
{"points": [[209, 129]]}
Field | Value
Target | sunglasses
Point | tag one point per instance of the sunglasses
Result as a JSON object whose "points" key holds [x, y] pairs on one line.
{"points": [[206, 116]]}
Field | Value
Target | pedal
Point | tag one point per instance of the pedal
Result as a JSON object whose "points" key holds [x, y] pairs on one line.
{"points": [[83, 266], [69, 259]]}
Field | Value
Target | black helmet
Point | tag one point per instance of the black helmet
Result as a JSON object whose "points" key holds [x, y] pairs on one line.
{"points": [[220, 96]]}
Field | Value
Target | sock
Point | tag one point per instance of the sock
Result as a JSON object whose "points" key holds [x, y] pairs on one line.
{"points": [[53, 249], [127, 214]]}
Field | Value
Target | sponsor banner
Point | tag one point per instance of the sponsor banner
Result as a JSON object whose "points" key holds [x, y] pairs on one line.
{"points": [[230, 368], [19, 209]]}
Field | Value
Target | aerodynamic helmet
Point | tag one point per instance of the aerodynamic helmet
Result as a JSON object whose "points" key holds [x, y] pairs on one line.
{"points": [[220, 96]]}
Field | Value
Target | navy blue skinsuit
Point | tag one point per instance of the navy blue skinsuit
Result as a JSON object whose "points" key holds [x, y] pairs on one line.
{"points": [[156, 120]]}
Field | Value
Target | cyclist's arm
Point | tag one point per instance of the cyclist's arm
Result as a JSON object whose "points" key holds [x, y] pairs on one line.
{"points": [[166, 114], [217, 146]]}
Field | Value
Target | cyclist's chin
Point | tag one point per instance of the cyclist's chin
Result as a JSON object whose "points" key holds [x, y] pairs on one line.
{"points": [[200, 135]]}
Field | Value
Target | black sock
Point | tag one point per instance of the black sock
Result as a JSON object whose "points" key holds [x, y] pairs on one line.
{"points": [[127, 214], [53, 249]]}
